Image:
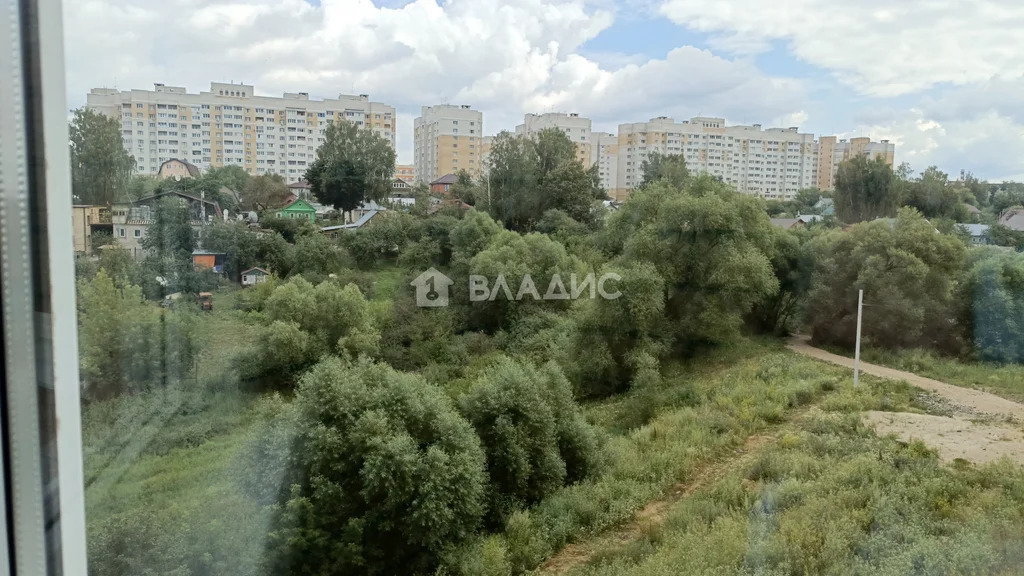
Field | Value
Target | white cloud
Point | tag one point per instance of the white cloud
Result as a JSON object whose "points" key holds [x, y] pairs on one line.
{"points": [[879, 47], [505, 57]]}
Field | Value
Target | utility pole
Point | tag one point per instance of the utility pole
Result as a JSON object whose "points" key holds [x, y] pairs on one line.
{"points": [[856, 357]]}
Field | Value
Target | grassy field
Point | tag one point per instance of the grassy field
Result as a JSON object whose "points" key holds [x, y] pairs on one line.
{"points": [[162, 491], [1005, 380]]}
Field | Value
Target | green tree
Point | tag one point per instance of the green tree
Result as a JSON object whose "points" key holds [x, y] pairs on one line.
{"points": [[264, 192], [281, 351], [865, 190], [232, 176], [388, 475], [239, 244], [670, 167], [351, 166], [992, 295], [529, 175], [709, 243], [532, 433], [933, 197], [908, 272], [101, 169], [170, 234]]}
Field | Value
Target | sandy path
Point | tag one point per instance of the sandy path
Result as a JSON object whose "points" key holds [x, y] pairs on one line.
{"points": [[976, 401]]}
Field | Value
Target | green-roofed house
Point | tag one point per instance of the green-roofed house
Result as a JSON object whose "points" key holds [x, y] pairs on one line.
{"points": [[299, 208]]}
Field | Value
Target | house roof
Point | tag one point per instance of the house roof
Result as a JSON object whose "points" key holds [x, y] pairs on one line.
{"points": [[206, 253], [975, 230], [808, 218], [216, 206], [256, 269], [193, 170], [786, 223], [357, 224], [300, 184], [1013, 219], [446, 179], [299, 205]]}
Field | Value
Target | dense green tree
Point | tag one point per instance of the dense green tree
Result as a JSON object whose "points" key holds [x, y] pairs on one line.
{"points": [[611, 337], [170, 234], [933, 197], [351, 166], [281, 351], [264, 192], [669, 167], [533, 433], [709, 243], [239, 244], [384, 240], [315, 254], [908, 272], [992, 295], [101, 169], [792, 268], [1002, 236], [231, 176], [865, 190], [142, 186], [529, 175], [388, 475]]}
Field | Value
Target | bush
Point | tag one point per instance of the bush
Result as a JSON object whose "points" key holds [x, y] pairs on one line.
{"points": [[993, 294], [391, 475], [533, 433]]}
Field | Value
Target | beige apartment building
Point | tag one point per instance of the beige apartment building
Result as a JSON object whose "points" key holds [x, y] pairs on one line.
{"points": [[575, 127], [231, 125], [832, 151], [606, 150], [406, 173], [773, 163], [448, 138]]}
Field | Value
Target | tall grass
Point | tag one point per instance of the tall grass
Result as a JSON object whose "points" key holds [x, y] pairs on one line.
{"points": [[1005, 380]]}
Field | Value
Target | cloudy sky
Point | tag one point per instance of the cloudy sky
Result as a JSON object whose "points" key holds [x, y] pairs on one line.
{"points": [[944, 79]]}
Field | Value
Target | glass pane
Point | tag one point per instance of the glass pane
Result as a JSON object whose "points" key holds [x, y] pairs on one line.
{"points": [[726, 299]]}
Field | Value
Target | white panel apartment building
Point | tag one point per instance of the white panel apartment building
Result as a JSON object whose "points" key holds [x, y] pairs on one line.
{"points": [[606, 146], [574, 126], [448, 139], [230, 125], [773, 163]]}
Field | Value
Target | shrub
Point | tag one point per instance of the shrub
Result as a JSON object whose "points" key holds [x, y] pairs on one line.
{"points": [[390, 475], [533, 433]]}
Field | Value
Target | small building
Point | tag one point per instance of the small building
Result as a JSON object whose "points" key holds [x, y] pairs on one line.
{"points": [[977, 232], [203, 260], [254, 276], [399, 186], [177, 170], [826, 207], [301, 189], [298, 209], [130, 222], [443, 185], [788, 223], [86, 221]]}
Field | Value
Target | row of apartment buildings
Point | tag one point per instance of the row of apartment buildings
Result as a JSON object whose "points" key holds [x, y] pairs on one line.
{"points": [[230, 125]]}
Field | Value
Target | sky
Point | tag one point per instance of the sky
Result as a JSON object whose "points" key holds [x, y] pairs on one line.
{"points": [[943, 79]]}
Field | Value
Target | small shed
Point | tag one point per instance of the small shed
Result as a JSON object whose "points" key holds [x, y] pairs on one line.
{"points": [[254, 276], [299, 208], [201, 260]]}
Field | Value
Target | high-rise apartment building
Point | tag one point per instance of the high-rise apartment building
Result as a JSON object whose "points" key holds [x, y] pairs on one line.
{"points": [[230, 125], [831, 152], [606, 149], [575, 127], [773, 163], [448, 139], [485, 154]]}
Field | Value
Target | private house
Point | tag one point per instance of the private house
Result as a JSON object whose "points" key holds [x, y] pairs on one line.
{"points": [[826, 207], [443, 185], [301, 189], [254, 276], [399, 186], [87, 220], [130, 222], [202, 260], [1013, 219], [977, 232], [788, 223], [299, 208], [177, 170]]}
